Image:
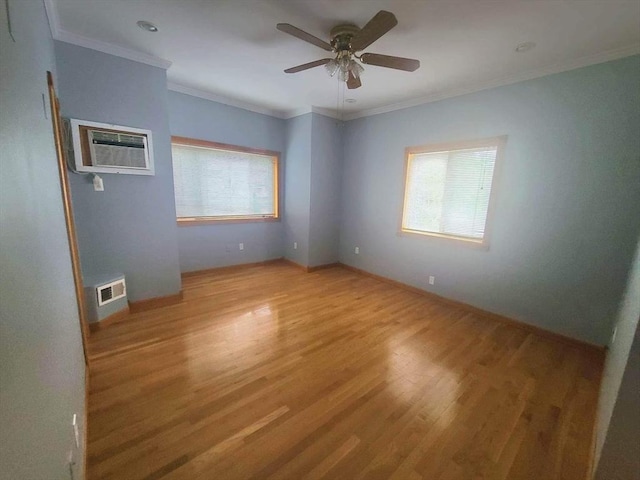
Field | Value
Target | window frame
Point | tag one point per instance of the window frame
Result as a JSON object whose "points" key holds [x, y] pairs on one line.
{"points": [[209, 220], [499, 142]]}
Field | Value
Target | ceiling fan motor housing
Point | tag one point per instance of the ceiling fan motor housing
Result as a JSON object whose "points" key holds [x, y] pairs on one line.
{"points": [[341, 36]]}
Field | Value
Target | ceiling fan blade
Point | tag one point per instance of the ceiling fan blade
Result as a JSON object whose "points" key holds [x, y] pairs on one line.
{"points": [[302, 35], [306, 66], [380, 24], [353, 82], [399, 63]]}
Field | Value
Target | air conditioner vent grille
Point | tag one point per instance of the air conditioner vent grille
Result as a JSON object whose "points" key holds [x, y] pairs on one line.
{"points": [[110, 156], [111, 291], [106, 294]]}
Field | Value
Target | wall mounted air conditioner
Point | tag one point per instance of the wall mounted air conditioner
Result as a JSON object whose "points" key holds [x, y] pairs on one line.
{"points": [[106, 148]]}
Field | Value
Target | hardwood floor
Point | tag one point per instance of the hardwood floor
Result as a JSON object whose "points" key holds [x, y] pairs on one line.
{"points": [[270, 372]]}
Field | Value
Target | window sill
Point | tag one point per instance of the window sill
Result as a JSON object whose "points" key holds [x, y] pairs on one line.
{"points": [[191, 221], [480, 244]]}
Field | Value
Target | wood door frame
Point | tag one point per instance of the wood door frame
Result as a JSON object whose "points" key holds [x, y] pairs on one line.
{"points": [[68, 215]]}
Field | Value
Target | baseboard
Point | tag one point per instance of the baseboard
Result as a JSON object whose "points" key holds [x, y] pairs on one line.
{"points": [[242, 266], [228, 268], [117, 317], [322, 267], [311, 269], [478, 311], [295, 264], [156, 302]]}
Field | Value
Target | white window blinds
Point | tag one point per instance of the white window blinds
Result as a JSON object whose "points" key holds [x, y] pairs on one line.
{"points": [[448, 192], [212, 182]]}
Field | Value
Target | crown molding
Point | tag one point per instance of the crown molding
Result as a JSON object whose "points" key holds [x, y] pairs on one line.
{"points": [[64, 36], [116, 50], [586, 61], [297, 112], [232, 102], [327, 112], [52, 17]]}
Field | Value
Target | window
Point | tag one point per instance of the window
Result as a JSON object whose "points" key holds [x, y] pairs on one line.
{"points": [[448, 189], [215, 182]]}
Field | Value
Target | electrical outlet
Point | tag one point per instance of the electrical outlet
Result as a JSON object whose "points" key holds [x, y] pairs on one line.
{"points": [[357, 250], [76, 431], [241, 246], [98, 184], [432, 280], [295, 245], [613, 336]]}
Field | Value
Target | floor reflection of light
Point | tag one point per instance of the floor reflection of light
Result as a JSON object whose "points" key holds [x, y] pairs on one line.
{"points": [[243, 336], [414, 376]]}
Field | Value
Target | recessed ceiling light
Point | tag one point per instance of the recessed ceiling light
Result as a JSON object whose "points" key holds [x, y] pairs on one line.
{"points": [[525, 47], [148, 26], [350, 100]]}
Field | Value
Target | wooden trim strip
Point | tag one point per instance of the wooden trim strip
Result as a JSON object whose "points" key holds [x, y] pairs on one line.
{"points": [[478, 311], [194, 142], [192, 221], [68, 214], [116, 317], [228, 268], [155, 302]]}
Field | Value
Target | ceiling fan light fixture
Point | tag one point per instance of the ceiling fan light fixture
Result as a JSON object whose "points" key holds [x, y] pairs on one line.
{"points": [[332, 67], [343, 75], [356, 69]]}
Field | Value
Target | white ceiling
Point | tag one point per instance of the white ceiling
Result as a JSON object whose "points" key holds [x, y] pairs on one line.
{"points": [[230, 50]]}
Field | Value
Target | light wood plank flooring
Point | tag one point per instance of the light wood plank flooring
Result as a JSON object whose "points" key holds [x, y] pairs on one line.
{"points": [[269, 372]]}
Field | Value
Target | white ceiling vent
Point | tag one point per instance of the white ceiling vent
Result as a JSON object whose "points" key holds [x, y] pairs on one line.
{"points": [[111, 291]]}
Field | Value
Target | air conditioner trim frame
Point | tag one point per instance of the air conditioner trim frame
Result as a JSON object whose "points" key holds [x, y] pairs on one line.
{"points": [[79, 165]]}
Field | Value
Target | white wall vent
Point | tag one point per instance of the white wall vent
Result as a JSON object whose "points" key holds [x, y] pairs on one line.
{"points": [[106, 148], [109, 292]]}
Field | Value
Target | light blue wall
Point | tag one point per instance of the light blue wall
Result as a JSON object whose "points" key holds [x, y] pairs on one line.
{"points": [[209, 246], [297, 184], [130, 227], [567, 215], [620, 425], [41, 360], [312, 189], [326, 169]]}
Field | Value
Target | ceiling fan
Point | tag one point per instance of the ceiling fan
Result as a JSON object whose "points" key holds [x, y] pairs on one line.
{"points": [[348, 39]]}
